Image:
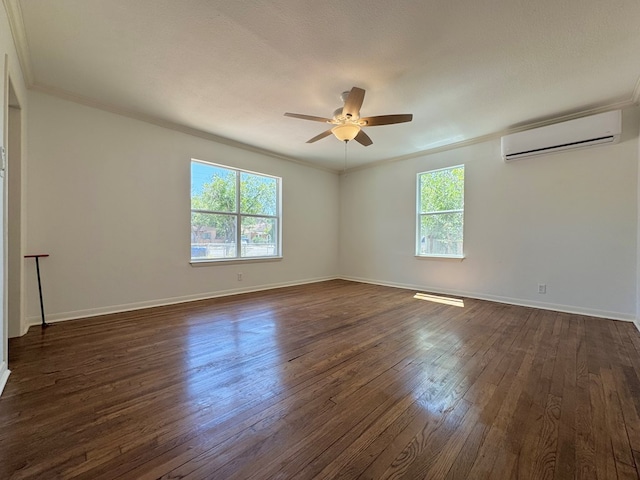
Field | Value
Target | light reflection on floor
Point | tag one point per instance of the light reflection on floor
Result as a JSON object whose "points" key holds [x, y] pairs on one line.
{"points": [[220, 354], [440, 360], [455, 302]]}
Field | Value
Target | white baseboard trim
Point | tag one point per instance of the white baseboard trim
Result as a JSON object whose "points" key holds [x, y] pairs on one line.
{"points": [[627, 317], [94, 312], [4, 375]]}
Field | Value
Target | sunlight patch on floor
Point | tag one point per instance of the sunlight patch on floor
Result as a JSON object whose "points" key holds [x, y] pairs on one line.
{"points": [[456, 302]]}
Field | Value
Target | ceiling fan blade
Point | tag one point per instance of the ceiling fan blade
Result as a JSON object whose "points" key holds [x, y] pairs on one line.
{"points": [[353, 102], [320, 136], [363, 139], [308, 117], [386, 119]]}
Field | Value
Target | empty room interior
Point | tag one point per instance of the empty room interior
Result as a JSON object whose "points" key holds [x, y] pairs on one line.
{"points": [[302, 239]]}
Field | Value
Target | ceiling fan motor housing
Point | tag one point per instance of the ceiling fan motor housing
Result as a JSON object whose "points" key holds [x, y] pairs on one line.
{"points": [[339, 117]]}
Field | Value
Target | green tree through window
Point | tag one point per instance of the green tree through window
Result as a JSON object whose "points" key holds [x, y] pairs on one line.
{"points": [[234, 213], [441, 212]]}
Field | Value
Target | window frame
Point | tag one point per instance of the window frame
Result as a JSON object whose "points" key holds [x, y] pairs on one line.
{"points": [[277, 218], [420, 214]]}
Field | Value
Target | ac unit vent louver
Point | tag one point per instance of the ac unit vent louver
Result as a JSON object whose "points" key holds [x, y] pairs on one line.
{"points": [[604, 128]]}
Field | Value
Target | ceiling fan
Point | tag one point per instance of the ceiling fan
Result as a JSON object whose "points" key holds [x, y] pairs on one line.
{"points": [[347, 121]]}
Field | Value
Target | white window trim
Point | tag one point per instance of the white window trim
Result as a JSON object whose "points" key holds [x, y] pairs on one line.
{"points": [[228, 260], [212, 261], [419, 215], [445, 257]]}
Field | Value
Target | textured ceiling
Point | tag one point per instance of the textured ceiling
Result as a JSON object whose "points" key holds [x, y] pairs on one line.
{"points": [[465, 69]]}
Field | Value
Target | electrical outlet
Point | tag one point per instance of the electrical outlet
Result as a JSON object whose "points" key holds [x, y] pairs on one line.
{"points": [[239, 276], [542, 288]]}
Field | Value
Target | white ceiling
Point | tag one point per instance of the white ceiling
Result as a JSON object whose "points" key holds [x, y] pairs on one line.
{"points": [[465, 69]]}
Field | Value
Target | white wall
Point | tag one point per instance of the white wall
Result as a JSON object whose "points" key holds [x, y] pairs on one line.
{"points": [[109, 200], [568, 220]]}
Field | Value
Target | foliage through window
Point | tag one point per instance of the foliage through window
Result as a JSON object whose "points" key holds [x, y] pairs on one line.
{"points": [[441, 212], [234, 213]]}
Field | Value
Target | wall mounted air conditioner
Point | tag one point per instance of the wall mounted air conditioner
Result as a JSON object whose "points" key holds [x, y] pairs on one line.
{"points": [[603, 128]]}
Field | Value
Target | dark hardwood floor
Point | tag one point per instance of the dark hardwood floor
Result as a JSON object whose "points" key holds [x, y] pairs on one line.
{"points": [[330, 380]]}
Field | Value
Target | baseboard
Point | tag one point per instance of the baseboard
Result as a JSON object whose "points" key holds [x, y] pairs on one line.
{"points": [[4, 376], [94, 312], [508, 300], [73, 315]]}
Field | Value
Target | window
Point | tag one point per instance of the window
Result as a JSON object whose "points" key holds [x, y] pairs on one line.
{"points": [[440, 212], [235, 214]]}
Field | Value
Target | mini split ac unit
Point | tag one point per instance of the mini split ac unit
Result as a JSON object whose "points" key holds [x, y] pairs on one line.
{"points": [[603, 128]]}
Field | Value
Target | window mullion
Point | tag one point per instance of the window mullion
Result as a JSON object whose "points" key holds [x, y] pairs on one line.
{"points": [[440, 212], [212, 212], [257, 215], [238, 217]]}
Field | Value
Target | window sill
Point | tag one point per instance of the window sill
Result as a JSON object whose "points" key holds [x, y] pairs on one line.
{"points": [[441, 257], [228, 261]]}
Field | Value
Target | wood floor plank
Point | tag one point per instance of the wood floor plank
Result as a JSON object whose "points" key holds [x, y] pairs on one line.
{"points": [[505, 435], [536, 458], [565, 466], [620, 444], [333, 380], [584, 440]]}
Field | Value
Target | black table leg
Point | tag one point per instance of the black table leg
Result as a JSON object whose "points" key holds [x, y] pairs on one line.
{"points": [[44, 324]]}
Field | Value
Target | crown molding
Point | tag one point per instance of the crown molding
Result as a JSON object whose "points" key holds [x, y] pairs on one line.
{"points": [[89, 102], [633, 101], [16, 24]]}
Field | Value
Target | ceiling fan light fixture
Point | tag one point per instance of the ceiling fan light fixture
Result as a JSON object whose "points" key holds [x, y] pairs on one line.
{"points": [[346, 131]]}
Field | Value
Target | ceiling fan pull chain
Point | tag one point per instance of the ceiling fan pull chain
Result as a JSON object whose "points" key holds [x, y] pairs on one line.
{"points": [[345, 156]]}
